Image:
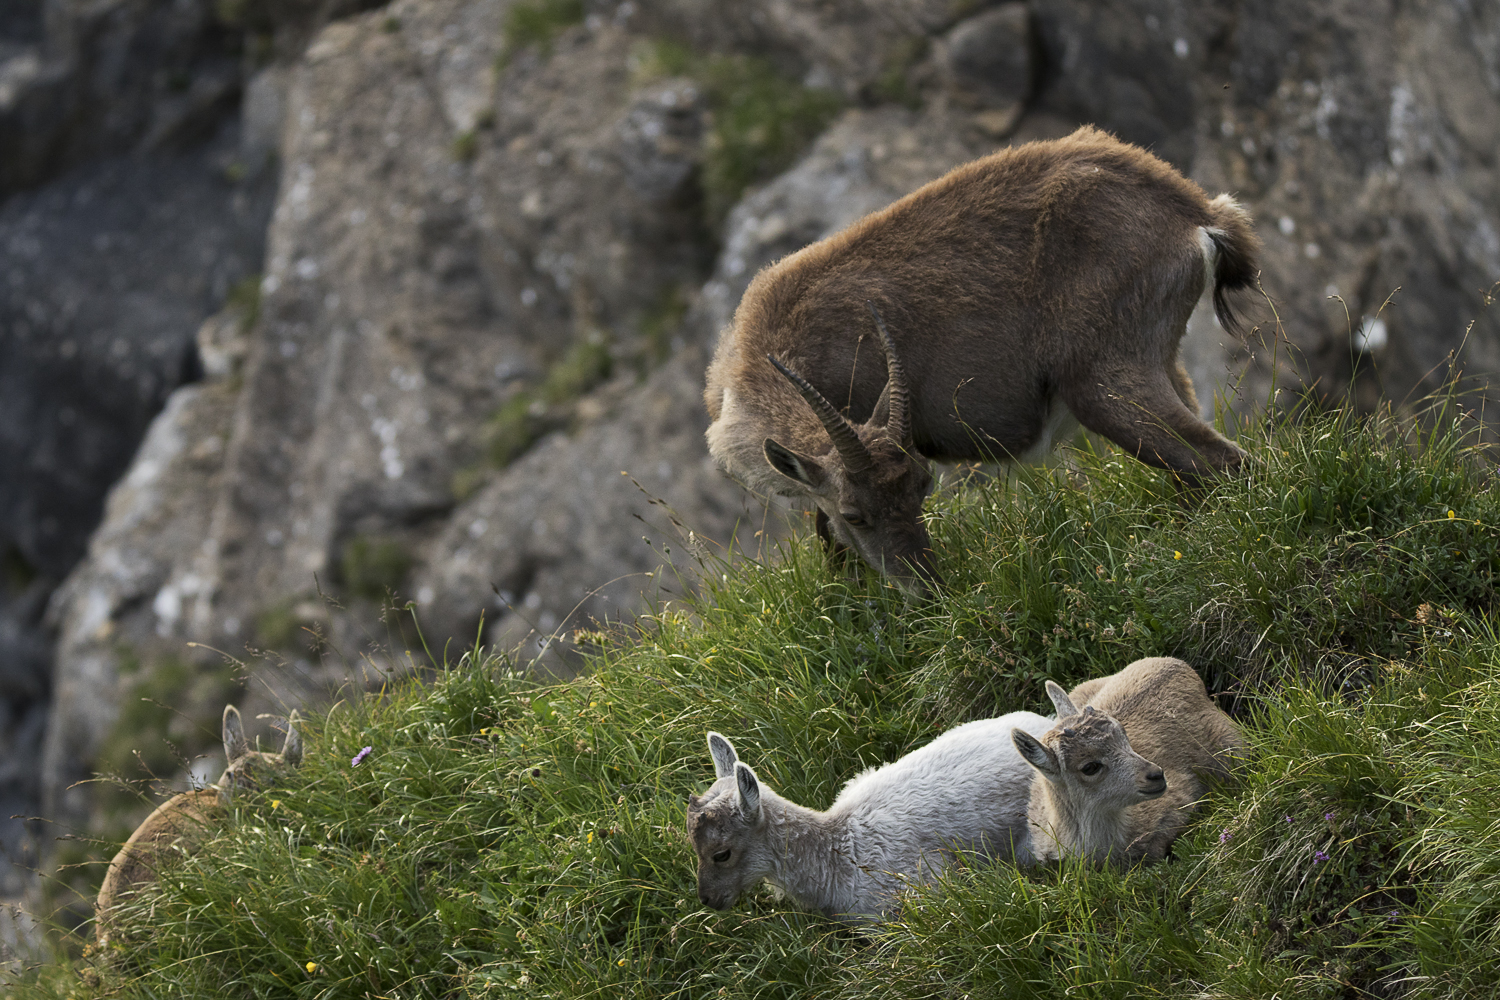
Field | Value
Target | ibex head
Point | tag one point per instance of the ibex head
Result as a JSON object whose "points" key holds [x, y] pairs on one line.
{"points": [[871, 487], [1087, 758], [726, 826], [253, 768]]}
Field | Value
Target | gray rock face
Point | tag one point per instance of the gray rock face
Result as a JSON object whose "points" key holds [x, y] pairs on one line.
{"points": [[988, 61], [80, 80], [107, 273]]}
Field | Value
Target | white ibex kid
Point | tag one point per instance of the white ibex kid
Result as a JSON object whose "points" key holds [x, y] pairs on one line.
{"points": [[890, 826], [1119, 773], [179, 825], [1032, 288]]}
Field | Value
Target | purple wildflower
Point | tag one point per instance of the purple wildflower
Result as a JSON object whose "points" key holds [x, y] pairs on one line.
{"points": [[1225, 836], [359, 757], [1288, 819], [1319, 856], [1328, 816]]}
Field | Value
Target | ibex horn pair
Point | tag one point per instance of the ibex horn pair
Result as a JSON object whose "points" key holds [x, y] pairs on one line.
{"points": [[898, 424]]}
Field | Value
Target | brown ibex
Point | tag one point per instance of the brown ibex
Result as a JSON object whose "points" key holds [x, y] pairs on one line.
{"points": [[177, 826], [1034, 287]]}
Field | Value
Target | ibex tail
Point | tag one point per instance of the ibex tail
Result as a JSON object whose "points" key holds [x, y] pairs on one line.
{"points": [[1234, 238]]}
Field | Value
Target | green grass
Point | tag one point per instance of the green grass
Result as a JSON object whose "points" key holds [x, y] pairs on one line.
{"points": [[507, 838]]}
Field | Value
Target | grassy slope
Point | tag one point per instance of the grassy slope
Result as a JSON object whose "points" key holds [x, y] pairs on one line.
{"points": [[510, 840]]}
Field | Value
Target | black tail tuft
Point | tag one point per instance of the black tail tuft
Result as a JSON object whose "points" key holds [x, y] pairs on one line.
{"points": [[1234, 238]]}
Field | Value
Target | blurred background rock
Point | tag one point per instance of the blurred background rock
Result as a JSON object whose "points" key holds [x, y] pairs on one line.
{"points": [[309, 310]]}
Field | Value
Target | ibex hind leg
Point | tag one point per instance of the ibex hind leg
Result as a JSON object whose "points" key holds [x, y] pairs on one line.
{"points": [[1143, 411]]}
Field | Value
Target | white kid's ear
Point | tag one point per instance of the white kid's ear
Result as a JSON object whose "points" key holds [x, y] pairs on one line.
{"points": [[235, 746], [1061, 701], [749, 789], [723, 754], [794, 466], [1036, 754]]}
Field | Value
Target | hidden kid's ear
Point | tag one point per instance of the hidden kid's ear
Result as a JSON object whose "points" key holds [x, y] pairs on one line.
{"points": [[749, 789]]}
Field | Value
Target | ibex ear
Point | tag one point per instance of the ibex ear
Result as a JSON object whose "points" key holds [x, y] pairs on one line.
{"points": [[749, 788], [235, 746], [291, 747], [1037, 755], [723, 754], [1060, 701], [794, 466]]}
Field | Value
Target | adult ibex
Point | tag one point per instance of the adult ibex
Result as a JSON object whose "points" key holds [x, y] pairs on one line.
{"points": [[1034, 287]]}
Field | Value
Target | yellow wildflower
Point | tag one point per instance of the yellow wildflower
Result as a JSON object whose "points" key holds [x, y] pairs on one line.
{"points": [[1176, 554], [312, 966], [1451, 515], [275, 804]]}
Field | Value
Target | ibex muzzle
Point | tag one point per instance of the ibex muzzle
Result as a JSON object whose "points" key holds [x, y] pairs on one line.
{"points": [[1040, 285], [870, 498]]}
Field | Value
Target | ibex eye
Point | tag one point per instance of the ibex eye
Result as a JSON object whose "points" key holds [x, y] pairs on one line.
{"points": [[1092, 768], [721, 857], [856, 520]]}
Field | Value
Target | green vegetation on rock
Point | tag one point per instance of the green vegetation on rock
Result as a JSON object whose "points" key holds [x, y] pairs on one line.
{"points": [[288, 624], [762, 120], [372, 566], [530, 414], [537, 22], [510, 838]]}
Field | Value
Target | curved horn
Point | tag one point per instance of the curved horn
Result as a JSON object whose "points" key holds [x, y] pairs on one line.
{"points": [[851, 449], [898, 424]]}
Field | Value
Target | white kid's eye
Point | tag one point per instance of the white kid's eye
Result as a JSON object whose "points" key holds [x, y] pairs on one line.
{"points": [[1092, 768], [721, 857]]}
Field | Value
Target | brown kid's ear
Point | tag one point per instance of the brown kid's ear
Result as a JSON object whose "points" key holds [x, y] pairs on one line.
{"points": [[235, 746], [1060, 701]]}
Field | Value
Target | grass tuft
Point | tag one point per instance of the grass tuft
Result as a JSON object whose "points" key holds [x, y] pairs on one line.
{"points": [[508, 837]]}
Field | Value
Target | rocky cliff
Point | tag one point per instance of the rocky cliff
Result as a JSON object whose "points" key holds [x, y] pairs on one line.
{"points": [[506, 234]]}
